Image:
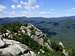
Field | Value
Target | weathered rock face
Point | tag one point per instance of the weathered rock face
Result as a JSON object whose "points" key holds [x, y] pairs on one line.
{"points": [[2, 43], [30, 30], [14, 48], [34, 33]]}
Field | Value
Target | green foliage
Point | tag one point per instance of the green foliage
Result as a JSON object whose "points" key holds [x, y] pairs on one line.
{"points": [[32, 30], [56, 46], [2, 29], [13, 27], [25, 39], [73, 52], [25, 24]]}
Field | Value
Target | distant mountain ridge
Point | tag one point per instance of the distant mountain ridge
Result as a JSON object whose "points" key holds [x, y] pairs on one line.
{"points": [[60, 28], [35, 18]]}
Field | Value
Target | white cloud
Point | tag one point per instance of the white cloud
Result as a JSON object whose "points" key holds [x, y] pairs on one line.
{"points": [[34, 7], [13, 6], [16, 6], [13, 13], [2, 8], [45, 12], [24, 13], [73, 8], [30, 5], [21, 2], [19, 6], [37, 6], [32, 2]]}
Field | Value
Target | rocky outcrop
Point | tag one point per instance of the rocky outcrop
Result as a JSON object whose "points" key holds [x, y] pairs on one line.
{"points": [[30, 30], [2, 43], [34, 33], [11, 47], [14, 48]]}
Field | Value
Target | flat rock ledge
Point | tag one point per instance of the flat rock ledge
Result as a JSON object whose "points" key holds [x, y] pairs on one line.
{"points": [[14, 48]]}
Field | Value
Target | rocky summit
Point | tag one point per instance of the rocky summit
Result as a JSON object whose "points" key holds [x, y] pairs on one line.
{"points": [[18, 39], [13, 48]]}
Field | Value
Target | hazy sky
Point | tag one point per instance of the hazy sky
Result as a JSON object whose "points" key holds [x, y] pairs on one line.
{"points": [[37, 8]]}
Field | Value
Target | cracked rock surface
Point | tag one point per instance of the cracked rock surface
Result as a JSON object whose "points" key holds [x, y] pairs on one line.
{"points": [[14, 48]]}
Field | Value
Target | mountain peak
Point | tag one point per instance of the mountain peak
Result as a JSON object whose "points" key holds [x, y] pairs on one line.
{"points": [[26, 39]]}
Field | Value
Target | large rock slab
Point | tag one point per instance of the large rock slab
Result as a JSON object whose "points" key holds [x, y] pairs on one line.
{"points": [[15, 48]]}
